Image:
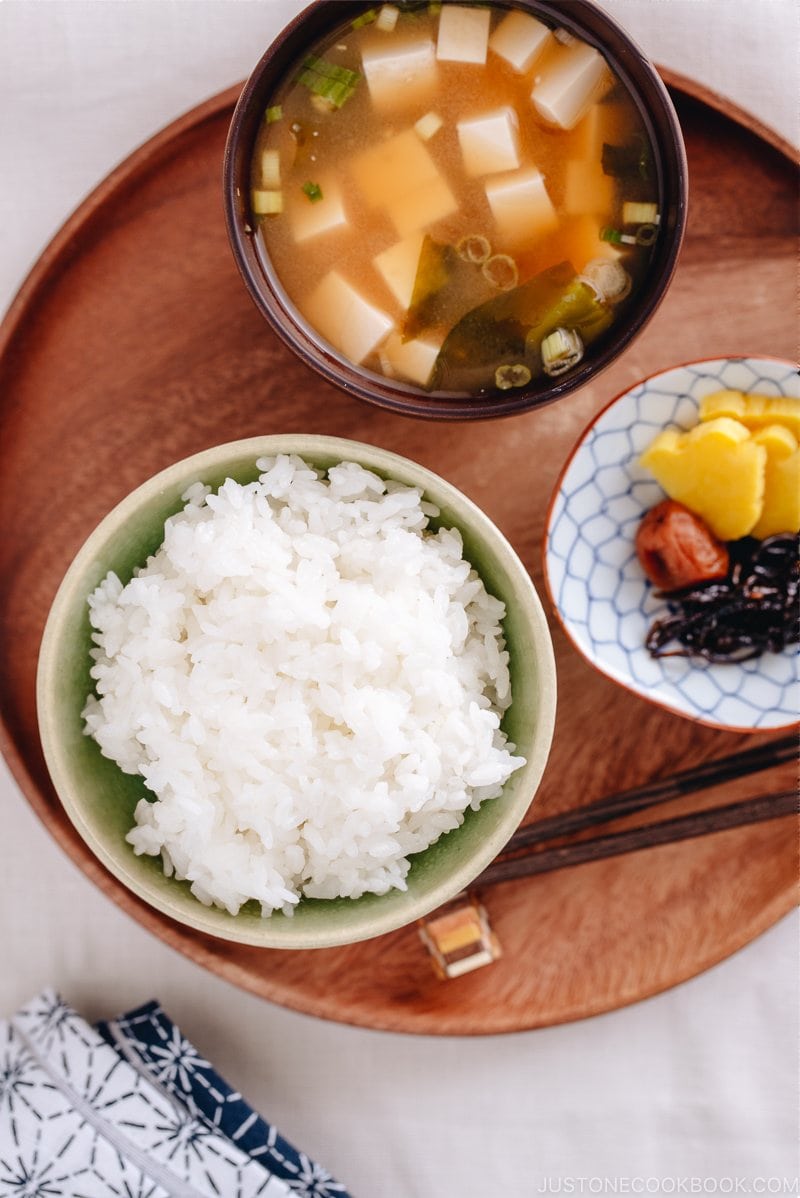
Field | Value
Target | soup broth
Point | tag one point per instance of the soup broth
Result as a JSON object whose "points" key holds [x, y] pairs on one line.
{"points": [[456, 196]]}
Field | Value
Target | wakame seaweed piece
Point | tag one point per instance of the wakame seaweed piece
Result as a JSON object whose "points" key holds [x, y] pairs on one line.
{"points": [[578, 307], [366, 18], [445, 288], [495, 332], [329, 80], [631, 161]]}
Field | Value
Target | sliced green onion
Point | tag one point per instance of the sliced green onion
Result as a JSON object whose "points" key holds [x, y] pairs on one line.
{"points": [[266, 203], [328, 80], [613, 235], [634, 213], [646, 234], [608, 279], [313, 191], [273, 114], [562, 350], [474, 248], [501, 271], [506, 377], [617, 238], [366, 18]]}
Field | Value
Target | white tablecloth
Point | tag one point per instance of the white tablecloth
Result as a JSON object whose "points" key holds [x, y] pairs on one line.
{"points": [[692, 1091]]}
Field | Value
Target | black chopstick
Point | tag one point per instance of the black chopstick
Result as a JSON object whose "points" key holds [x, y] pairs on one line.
{"points": [[669, 831], [626, 802]]}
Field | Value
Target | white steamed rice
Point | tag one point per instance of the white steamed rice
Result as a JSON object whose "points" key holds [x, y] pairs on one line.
{"points": [[309, 682]]}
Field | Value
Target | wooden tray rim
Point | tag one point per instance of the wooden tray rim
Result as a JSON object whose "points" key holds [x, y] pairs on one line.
{"points": [[53, 258]]}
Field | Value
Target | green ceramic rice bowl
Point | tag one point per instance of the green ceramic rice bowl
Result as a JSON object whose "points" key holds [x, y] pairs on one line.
{"points": [[100, 799]]}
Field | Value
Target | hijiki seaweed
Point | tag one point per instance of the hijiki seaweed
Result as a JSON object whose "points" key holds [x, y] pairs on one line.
{"points": [[755, 609]]}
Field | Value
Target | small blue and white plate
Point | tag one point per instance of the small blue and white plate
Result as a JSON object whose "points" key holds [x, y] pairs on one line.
{"points": [[598, 588]]}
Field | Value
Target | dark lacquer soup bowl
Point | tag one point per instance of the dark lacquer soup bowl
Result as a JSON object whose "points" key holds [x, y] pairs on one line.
{"points": [[455, 211]]}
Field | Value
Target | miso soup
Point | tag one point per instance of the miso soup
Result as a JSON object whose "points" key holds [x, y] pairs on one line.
{"points": [[457, 196]]}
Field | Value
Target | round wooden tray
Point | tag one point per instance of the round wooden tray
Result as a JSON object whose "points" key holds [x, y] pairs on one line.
{"points": [[133, 344]]}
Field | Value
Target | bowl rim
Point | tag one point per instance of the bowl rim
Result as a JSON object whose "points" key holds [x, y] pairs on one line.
{"points": [[564, 624], [656, 109], [371, 923]]}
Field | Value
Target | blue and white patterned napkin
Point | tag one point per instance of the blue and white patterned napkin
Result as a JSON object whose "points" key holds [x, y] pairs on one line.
{"points": [[131, 1110]]}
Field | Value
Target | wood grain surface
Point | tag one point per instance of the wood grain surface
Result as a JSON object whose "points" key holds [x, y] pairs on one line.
{"points": [[133, 344]]}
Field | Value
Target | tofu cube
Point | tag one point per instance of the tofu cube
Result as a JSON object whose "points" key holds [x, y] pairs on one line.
{"points": [[342, 316], [577, 241], [428, 125], [571, 83], [412, 360], [387, 18], [520, 39], [521, 207], [309, 218], [399, 75], [418, 209], [489, 143], [399, 164], [463, 33], [398, 268], [587, 190], [400, 176]]}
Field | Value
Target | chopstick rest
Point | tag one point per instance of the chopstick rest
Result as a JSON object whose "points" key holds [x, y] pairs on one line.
{"points": [[458, 937]]}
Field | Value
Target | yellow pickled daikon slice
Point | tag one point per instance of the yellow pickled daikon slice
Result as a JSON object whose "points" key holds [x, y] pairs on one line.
{"points": [[716, 469], [781, 509], [753, 411]]}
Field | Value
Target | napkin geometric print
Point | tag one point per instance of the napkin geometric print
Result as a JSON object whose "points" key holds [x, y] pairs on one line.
{"points": [[81, 1117], [152, 1042]]}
